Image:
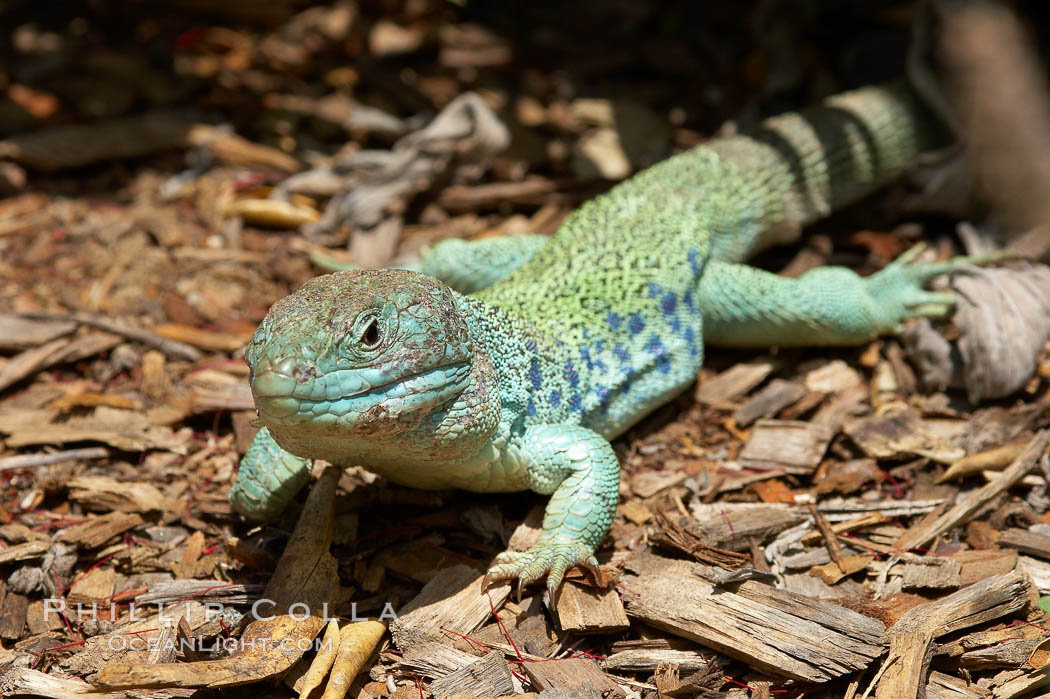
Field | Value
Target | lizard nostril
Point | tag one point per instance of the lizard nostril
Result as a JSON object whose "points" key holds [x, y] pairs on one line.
{"points": [[304, 372]]}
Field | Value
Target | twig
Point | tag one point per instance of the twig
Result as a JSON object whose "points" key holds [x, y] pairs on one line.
{"points": [[830, 539], [12, 463], [174, 348]]}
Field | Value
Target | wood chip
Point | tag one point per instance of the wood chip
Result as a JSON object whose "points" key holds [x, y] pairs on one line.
{"points": [[13, 616], [848, 477], [781, 633], [532, 190], [236, 150], [931, 572], [23, 551], [24, 681], [12, 463], [899, 432], [109, 494], [649, 483], [54, 352], [834, 572], [853, 524], [731, 384], [487, 676], [190, 564], [124, 429], [776, 396], [1038, 571], [93, 588], [835, 376], [204, 339], [588, 610], [450, 601], [96, 531], [433, 659], [18, 333], [175, 591], [1026, 542], [942, 686], [648, 659], [574, 673], [528, 628], [633, 510], [72, 401], [1011, 646], [793, 446], [830, 540], [733, 528], [978, 565], [75, 145], [420, 559], [171, 347], [903, 673], [527, 533]]}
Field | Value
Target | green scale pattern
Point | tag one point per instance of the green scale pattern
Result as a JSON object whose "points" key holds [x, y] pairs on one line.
{"points": [[516, 369]]}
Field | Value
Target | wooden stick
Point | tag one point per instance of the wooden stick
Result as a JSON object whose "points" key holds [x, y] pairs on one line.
{"points": [[967, 507], [12, 463], [830, 539]]}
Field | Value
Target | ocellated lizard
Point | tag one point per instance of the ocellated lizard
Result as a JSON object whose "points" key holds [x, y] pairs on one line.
{"points": [[516, 370]]}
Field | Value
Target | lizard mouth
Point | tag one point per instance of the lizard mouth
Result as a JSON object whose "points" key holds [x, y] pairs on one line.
{"points": [[352, 396]]}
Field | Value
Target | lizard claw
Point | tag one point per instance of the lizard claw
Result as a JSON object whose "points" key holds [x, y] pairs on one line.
{"points": [[550, 560], [591, 564], [910, 255], [489, 578]]}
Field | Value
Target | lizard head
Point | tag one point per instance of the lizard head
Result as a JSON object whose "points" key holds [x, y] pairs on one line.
{"points": [[363, 365]]}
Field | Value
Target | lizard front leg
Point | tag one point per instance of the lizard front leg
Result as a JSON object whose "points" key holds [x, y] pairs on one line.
{"points": [[465, 265], [579, 470], [472, 265], [268, 478]]}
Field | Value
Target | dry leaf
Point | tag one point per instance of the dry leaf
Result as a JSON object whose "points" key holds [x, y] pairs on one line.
{"points": [[269, 647], [322, 662], [1003, 317], [357, 642]]}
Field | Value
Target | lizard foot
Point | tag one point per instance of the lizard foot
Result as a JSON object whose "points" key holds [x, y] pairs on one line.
{"points": [[544, 559], [898, 287]]}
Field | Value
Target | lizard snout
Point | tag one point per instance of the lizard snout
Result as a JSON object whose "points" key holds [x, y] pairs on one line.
{"points": [[281, 377]]}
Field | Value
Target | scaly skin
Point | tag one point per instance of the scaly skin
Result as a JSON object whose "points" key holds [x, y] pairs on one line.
{"points": [[562, 346]]}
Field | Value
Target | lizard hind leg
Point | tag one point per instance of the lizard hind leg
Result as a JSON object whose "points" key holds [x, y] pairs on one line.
{"points": [[748, 307], [580, 471]]}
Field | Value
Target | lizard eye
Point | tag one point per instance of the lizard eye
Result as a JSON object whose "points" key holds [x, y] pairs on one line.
{"points": [[370, 337]]}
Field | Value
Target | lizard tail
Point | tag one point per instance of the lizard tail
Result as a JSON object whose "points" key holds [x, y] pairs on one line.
{"points": [[801, 166]]}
